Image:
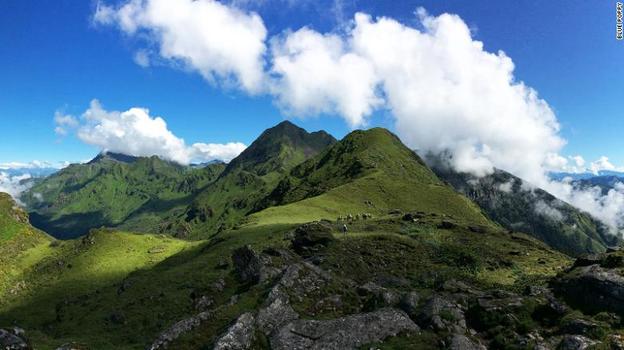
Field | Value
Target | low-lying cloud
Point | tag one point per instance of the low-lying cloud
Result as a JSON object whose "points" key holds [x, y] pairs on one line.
{"points": [[445, 92], [135, 132], [14, 184]]}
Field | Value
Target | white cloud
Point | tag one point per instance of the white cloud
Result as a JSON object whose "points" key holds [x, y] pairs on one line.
{"points": [[544, 209], [136, 132], [35, 164], [142, 58], [64, 122], [220, 42], [210, 151], [14, 185], [602, 163], [317, 73]]}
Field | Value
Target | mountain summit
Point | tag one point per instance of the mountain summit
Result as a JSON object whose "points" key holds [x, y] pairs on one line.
{"points": [[280, 148]]}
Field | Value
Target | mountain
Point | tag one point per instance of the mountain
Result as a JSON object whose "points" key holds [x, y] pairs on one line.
{"points": [[251, 176], [519, 206], [112, 189], [355, 176]]}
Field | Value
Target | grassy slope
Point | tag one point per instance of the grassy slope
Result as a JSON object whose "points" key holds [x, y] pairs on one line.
{"points": [[159, 287], [367, 172], [108, 192], [16, 238]]}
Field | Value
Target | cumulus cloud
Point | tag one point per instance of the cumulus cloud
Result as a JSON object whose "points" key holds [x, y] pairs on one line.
{"points": [[136, 132], [316, 73], [222, 43]]}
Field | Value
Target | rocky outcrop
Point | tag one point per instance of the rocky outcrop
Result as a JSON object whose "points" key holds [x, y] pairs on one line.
{"points": [[593, 288], [239, 336], [179, 328], [462, 342], [13, 339], [309, 238], [440, 314], [575, 342], [348, 332], [251, 267]]}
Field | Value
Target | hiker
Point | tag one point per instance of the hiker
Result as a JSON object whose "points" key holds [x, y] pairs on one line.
{"points": [[344, 229]]}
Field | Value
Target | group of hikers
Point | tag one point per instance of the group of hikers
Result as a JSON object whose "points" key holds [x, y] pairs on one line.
{"points": [[350, 218]]}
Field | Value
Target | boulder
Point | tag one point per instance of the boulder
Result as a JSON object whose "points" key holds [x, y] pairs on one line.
{"points": [[462, 342], [239, 336], [581, 327], [350, 332], [276, 312], [409, 303], [13, 339], [575, 342], [311, 237], [251, 267], [178, 329], [592, 289], [441, 314], [378, 296]]}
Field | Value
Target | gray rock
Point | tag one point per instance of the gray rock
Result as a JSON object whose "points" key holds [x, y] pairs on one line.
{"points": [[179, 328], [251, 267], [579, 326], [575, 342], [311, 237], [13, 339], [462, 342], [409, 303], [348, 332], [592, 289], [277, 311], [440, 314], [239, 336], [379, 296]]}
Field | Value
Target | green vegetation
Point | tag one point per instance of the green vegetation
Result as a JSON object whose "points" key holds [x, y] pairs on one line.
{"points": [[115, 190], [519, 206]]}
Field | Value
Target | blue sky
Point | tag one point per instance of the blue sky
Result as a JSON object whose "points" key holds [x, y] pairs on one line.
{"points": [[53, 58]]}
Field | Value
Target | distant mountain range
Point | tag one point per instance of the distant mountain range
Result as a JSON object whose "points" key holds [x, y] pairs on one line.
{"points": [[585, 176]]}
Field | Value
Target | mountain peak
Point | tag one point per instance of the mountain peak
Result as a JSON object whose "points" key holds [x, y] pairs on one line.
{"points": [[282, 146], [112, 156]]}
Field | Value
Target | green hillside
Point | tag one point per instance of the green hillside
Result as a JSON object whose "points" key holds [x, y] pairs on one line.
{"points": [[16, 237], [112, 290], [519, 206], [115, 190], [368, 172]]}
